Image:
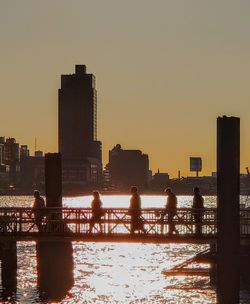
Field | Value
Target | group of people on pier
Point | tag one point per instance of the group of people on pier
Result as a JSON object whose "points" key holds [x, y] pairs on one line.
{"points": [[134, 211]]}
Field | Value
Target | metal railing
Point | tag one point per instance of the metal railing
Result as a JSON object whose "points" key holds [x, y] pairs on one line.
{"points": [[76, 221]]}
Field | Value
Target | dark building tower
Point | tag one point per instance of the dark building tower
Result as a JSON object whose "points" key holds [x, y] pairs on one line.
{"points": [[81, 152], [77, 114]]}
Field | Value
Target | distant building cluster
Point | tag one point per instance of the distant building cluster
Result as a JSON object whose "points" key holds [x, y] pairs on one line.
{"points": [[19, 170], [82, 167], [81, 151]]}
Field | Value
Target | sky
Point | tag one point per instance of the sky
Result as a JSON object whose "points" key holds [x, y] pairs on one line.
{"points": [[165, 70]]}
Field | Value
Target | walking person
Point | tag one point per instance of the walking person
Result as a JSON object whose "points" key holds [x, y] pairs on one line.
{"points": [[198, 205], [38, 205], [170, 210], [97, 211], [135, 211]]}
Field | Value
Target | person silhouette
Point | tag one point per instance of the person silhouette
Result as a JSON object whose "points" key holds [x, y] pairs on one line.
{"points": [[170, 210], [135, 211], [38, 205], [198, 205], [97, 211]]}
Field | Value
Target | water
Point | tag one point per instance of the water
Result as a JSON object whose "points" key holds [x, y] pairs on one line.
{"points": [[117, 272]]}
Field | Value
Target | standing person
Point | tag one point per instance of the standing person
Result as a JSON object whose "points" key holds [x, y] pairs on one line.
{"points": [[97, 211], [135, 211], [39, 204], [198, 204], [171, 208]]}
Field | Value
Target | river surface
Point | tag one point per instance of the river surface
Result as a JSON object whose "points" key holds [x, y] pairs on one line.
{"points": [[117, 272]]}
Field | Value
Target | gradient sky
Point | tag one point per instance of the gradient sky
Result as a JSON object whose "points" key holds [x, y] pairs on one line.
{"points": [[164, 69]]}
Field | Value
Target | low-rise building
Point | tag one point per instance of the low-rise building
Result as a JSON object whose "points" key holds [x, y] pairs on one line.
{"points": [[159, 181], [128, 168]]}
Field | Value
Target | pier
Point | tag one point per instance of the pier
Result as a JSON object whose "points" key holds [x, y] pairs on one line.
{"points": [[225, 228], [18, 224]]}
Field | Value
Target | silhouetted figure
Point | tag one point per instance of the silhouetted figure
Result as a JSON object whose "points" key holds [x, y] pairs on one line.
{"points": [[171, 208], [198, 203], [97, 211], [135, 211], [39, 204]]}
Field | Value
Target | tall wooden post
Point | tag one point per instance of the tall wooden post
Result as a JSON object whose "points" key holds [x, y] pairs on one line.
{"points": [[54, 269], [9, 269], [228, 222], [53, 179]]}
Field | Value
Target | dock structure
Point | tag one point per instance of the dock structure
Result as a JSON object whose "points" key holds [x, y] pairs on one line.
{"points": [[18, 224], [226, 228], [205, 256]]}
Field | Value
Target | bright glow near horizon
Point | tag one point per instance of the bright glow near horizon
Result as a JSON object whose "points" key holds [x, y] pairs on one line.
{"points": [[164, 69]]}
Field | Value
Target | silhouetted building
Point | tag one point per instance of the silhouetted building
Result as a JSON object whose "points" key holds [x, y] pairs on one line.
{"points": [[160, 181], [4, 177], [24, 151], [11, 159], [78, 115], [128, 167], [11, 151], [78, 145], [32, 173], [1, 153], [19, 170], [38, 153], [106, 178], [2, 141]]}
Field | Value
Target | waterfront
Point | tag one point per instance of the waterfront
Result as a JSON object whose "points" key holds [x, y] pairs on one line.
{"points": [[118, 273]]}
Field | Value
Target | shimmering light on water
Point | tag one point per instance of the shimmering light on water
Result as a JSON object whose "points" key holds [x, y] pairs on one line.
{"points": [[157, 201], [118, 272]]}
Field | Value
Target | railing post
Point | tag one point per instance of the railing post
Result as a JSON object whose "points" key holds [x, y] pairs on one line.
{"points": [[228, 242], [109, 222], [20, 220]]}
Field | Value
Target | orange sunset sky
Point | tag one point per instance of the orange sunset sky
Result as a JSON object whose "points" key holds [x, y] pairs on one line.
{"points": [[164, 71]]}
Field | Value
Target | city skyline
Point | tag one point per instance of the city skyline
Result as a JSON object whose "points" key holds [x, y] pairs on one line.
{"points": [[167, 75]]}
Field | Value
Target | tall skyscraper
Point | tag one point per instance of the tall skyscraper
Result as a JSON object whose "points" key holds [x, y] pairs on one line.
{"points": [[77, 113], [81, 152]]}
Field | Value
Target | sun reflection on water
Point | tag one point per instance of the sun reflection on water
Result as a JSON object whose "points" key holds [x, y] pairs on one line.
{"points": [[132, 273], [119, 272]]}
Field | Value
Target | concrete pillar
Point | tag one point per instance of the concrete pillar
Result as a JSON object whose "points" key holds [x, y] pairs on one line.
{"points": [[8, 269], [54, 270], [228, 223], [53, 179]]}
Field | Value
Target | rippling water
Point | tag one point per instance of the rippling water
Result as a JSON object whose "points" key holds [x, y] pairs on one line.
{"points": [[116, 272]]}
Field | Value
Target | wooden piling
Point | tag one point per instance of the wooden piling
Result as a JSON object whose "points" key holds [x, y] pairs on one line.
{"points": [[228, 221], [54, 270], [8, 269], [53, 179]]}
